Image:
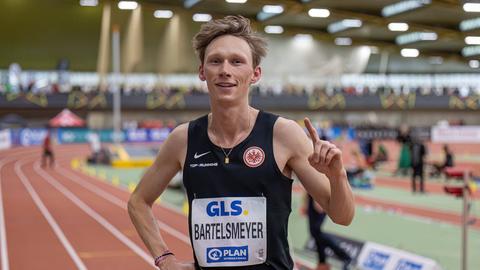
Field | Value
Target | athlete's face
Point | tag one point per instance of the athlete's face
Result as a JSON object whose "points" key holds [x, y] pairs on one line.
{"points": [[228, 68]]}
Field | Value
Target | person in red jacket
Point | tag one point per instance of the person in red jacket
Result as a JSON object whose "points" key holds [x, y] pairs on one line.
{"points": [[47, 151]]}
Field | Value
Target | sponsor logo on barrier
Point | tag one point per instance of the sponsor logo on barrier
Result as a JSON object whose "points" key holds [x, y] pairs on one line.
{"points": [[227, 254], [159, 134], [137, 135], [400, 102], [32, 136], [375, 256], [456, 134], [376, 260], [68, 136], [323, 101], [220, 209], [408, 265], [5, 141]]}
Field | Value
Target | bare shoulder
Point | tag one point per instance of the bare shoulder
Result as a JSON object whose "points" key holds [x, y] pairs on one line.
{"points": [[175, 145], [179, 135], [289, 134]]}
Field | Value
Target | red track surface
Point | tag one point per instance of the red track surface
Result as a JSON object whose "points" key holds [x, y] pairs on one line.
{"points": [[33, 244], [91, 223]]}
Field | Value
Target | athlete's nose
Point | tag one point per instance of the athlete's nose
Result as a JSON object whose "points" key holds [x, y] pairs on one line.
{"points": [[225, 70]]}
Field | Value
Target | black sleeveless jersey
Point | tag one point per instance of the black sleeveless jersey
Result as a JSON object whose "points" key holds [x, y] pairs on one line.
{"points": [[206, 175]]}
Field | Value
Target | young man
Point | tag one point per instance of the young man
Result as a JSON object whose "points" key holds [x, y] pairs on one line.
{"points": [[237, 162]]}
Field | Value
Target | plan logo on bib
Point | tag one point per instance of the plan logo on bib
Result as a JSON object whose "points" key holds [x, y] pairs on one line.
{"points": [[253, 156], [227, 254]]}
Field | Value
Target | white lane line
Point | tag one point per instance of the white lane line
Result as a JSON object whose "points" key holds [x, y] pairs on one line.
{"points": [[120, 203], [3, 232], [89, 211], [71, 251], [164, 205]]}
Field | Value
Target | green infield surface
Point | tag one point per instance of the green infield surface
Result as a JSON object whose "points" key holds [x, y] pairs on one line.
{"points": [[440, 241]]}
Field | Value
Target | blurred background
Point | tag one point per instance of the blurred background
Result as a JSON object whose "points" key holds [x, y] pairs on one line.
{"points": [[107, 81]]}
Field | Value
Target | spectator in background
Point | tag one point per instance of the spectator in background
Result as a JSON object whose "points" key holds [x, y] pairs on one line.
{"points": [[404, 159], [447, 162], [47, 151], [419, 151], [95, 146], [316, 217]]}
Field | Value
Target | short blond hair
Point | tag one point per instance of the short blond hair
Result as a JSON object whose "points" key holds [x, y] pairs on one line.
{"points": [[237, 26]]}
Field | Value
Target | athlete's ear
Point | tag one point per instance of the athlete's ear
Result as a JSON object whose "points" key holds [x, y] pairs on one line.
{"points": [[257, 74], [201, 73]]}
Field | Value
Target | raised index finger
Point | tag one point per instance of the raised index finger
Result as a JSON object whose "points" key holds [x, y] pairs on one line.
{"points": [[311, 130]]}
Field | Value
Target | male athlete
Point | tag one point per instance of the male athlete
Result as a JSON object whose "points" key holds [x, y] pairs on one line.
{"points": [[237, 165]]}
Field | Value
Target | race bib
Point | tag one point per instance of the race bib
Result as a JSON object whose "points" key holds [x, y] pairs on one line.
{"points": [[230, 231]]}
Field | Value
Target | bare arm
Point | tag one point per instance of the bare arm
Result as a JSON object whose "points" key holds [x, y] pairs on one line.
{"points": [[318, 164], [167, 163]]}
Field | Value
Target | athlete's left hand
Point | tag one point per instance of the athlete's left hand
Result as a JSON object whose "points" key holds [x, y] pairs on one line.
{"points": [[326, 157]]}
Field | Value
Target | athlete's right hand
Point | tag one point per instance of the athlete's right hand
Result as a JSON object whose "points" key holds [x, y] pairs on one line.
{"points": [[171, 263]]}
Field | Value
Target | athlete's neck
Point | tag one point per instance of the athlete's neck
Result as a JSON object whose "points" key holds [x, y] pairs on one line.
{"points": [[228, 126]]}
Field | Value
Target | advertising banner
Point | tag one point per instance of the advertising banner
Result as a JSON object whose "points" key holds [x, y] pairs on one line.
{"points": [[29, 136], [81, 135], [456, 134], [379, 257], [5, 139], [158, 134]]}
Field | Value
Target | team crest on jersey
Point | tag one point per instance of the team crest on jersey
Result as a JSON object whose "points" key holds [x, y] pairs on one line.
{"points": [[253, 156]]}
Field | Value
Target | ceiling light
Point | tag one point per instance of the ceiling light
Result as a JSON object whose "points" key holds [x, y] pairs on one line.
{"points": [[472, 40], [318, 13], [415, 37], [403, 6], [471, 51], [273, 29], [471, 24], [190, 3], [343, 41], [474, 63], [274, 9], [471, 7], [88, 3], [163, 14], [343, 25], [201, 17], [409, 52], [398, 27], [127, 5], [236, 1]]}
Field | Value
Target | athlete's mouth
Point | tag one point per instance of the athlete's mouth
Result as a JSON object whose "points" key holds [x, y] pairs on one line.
{"points": [[225, 84]]}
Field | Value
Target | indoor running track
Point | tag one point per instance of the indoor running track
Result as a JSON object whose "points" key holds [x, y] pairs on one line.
{"points": [[62, 219]]}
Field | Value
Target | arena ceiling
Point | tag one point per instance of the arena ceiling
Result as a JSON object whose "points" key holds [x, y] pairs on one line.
{"points": [[440, 17]]}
